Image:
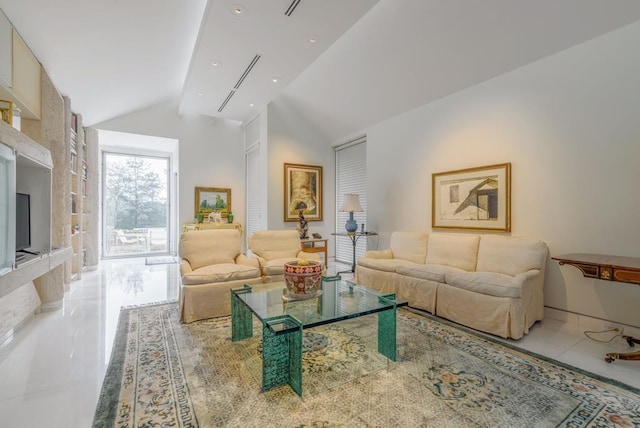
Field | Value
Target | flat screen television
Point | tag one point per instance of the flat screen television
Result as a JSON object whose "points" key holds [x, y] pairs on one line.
{"points": [[23, 221]]}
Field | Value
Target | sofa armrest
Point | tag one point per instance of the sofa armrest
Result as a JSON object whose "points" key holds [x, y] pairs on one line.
{"points": [[379, 254], [185, 267], [242, 259]]}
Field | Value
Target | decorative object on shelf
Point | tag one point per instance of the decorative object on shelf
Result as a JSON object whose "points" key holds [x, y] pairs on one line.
{"points": [[303, 224], [230, 217], [199, 216], [303, 279], [351, 204], [209, 199], [302, 183], [215, 217], [6, 109], [316, 236], [472, 198]]}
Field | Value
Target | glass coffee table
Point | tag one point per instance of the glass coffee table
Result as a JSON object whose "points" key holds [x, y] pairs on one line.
{"points": [[284, 320]]}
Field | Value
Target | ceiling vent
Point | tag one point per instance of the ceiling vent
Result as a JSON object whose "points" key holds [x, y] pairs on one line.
{"points": [[224, 104], [292, 7], [247, 71]]}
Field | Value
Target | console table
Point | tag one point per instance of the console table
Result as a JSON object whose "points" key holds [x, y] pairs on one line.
{"points": [[354, 236], [188, 227], [608, 268]]}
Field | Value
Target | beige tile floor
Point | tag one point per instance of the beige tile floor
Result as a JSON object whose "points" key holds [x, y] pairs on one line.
{"points": [[51, 371]]}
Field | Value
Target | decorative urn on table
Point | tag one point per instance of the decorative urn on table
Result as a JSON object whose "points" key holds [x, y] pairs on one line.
{"points": [[303, 279]]}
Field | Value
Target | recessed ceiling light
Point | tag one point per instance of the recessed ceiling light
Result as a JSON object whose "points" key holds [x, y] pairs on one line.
{"points": [[216, 63], [275, 79], [238, 10], [313, 38], [250, 104], [200, 94]]}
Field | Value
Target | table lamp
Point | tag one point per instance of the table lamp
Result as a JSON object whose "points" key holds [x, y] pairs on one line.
{"points": [[351, 204]]}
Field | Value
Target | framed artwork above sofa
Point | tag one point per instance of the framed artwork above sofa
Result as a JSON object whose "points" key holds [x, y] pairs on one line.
{"points": [[473, 198]]}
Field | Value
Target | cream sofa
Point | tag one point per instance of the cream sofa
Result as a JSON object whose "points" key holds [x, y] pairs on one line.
{"points": [[490, 283], [211, 264], [273, 248]]}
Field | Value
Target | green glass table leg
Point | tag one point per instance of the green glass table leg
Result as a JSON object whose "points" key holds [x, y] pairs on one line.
{"points": [[241, 322], [282, 353], [387, 329]]}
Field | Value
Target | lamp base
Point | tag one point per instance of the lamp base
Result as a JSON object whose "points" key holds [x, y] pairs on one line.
{"points": [[351, 225]]}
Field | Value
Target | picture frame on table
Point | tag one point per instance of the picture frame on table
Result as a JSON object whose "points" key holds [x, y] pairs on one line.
{"points": [[472, 199], [302, 188]]}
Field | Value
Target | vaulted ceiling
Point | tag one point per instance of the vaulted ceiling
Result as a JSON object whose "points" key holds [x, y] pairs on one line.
{"points": [[343, 65]]}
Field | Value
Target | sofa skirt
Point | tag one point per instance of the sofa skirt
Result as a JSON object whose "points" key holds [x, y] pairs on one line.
{"points": [[503, 316]]}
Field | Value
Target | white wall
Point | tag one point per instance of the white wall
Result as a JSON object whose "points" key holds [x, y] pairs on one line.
{"points": [[570, 126], [211, 151], [292, 140]]}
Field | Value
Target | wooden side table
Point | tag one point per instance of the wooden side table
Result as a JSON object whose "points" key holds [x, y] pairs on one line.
{"points": [[309, 246]]}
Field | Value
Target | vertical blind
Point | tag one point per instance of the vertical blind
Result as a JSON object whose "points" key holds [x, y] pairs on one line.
{"points": [[351, 177], [252, 162]]}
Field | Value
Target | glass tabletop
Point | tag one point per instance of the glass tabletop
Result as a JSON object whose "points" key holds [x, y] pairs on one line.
{"points": [[340, 299]]}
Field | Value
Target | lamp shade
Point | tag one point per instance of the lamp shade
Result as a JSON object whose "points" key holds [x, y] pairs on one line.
{"points": [[351, 203]]}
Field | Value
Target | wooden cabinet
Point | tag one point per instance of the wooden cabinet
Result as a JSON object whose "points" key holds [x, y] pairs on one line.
{"points": [[26, 78]]}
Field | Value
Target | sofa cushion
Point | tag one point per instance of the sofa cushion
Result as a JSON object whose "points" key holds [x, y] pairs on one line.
{"points": [[222, 272], [275, 244], [509, 255], [410, 246], [386, 265], [460, 251], [209, 247], [431, 272], [493, 284]]}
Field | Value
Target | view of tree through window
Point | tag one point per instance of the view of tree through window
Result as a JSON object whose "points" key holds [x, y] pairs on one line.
{"points": [[135, 204]]}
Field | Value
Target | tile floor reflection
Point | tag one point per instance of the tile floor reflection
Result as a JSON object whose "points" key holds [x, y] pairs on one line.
{"points": [[51, 371]]}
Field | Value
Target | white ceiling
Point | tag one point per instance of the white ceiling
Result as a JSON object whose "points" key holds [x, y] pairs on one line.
{"points": [[372, 59]]}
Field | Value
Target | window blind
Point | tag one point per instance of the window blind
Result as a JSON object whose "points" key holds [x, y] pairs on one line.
{"points": [[351, 177], [252, 161]]}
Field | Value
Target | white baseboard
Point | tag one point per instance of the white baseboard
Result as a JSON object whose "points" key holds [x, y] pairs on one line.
{"points": [[589, 323]]}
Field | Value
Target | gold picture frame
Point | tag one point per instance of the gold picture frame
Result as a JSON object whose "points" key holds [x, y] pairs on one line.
{"points": [[302, 183], [472, 198], [209, 199]]}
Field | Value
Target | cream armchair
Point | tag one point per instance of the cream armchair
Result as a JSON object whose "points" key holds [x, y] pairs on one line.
{"points": [[211, 264], [273, 248]]}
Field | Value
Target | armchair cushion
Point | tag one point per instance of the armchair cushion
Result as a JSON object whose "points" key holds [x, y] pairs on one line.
{"points": [[222, 272], [275, 244], [210, 247]]}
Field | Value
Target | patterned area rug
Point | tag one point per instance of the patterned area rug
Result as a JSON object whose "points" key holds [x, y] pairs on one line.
{"points": [[163, 373]]}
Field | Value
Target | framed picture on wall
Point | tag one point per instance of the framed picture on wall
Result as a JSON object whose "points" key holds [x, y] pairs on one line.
{"points": [[302, 190], [473, 198], [210, 199]]}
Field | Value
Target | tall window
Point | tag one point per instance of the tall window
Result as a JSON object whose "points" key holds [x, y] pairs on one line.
{"points": [[351, 177], [135, 205]]}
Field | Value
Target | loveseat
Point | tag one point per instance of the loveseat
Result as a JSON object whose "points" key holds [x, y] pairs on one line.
{"points": [[211, 264], [273, 248], [487, 282]]}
